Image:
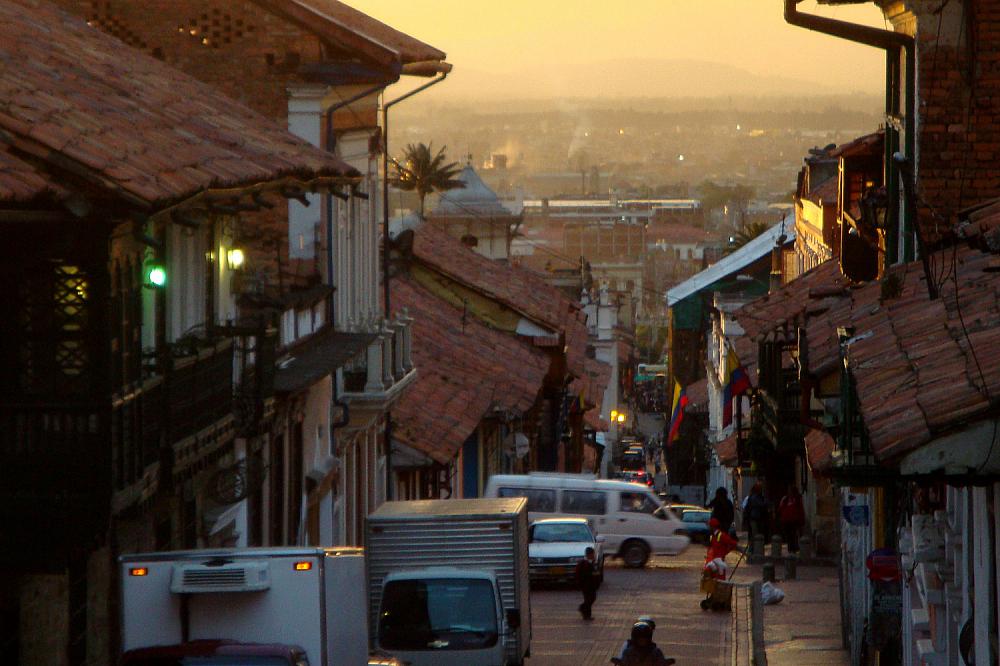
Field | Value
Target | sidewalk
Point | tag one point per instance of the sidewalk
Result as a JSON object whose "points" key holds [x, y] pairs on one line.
{"points": [[805, 627]]}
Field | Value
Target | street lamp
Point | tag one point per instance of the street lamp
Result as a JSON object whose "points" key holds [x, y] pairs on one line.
{"points": [[157, 276], [235, 257]]}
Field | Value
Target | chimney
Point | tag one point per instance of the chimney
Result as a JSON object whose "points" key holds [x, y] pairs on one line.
{"points": [[777, 265]]}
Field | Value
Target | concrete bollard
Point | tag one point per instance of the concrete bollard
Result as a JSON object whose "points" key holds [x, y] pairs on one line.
{"points": [[767, 574], [758, 546], [791, 567], [805, 548], [775, 546]]}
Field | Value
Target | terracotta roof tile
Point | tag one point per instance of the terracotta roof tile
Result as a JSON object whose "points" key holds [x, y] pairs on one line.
{"points": [[819, 450], [869, 144], [675, 233], [464, 369], [697, 395], [139, 125], [517, 288], [21, 182], [727, 450], [826, 192]]}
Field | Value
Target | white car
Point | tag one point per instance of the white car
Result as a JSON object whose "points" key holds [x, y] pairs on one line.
{"points": [[555, 545]]}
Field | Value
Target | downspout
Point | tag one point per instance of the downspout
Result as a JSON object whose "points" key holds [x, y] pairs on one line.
{"points": [[442, 69], [893, 43]]}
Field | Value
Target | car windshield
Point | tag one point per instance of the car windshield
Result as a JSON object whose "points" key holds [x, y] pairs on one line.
{"points": [[553, 532], [438, 614]]}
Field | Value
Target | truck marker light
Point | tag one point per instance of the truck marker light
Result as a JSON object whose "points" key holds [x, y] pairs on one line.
{"points": [[303, 566], [138, 571]]}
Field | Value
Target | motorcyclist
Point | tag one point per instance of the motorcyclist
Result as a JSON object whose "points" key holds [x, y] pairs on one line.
{"points": [[640, 650]]}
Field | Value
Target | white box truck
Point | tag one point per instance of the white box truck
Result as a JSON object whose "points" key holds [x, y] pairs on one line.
{"points": [[448, 581], [252, 606]]}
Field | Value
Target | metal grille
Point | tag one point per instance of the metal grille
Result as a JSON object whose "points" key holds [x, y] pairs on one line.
{"points": [[102, 16], [215, 578], [215, 27]]}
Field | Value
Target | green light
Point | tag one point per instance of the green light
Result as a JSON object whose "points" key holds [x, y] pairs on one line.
{"points": [[157, 276]]}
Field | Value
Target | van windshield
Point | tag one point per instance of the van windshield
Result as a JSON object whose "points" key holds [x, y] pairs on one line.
{"points": [[438, 614]]}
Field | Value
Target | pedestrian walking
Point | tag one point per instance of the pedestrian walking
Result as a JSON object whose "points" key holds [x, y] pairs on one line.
{"points": [[791, 516], [586, 578], [756, 513], [722, 509]]}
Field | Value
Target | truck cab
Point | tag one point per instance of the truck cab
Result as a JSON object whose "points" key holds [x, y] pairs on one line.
{"points": [[445, 617]]}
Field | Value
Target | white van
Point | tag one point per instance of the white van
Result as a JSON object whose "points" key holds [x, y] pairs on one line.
{"points": [[633, 520]]}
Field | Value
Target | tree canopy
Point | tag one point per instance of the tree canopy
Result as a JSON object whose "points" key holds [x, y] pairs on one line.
{"points": [[422, 171]]}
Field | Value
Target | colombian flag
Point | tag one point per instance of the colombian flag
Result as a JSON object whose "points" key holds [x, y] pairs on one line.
{"points": [[677, 413], [737, 383]]}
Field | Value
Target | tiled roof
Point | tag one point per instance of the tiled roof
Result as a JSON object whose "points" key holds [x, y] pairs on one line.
{"points": [[672, 232], [826, 192], [869, 144], [697, 395], [727, 451], [914, 360], [343, 24], [21, 182], [808, 295], [521, 290], [819, 450], [980, 226], [591, 386], [72, 95], [464, 370]]}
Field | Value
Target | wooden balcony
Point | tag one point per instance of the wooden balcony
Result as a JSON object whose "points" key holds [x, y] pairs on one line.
{"points": [[199, 401]]}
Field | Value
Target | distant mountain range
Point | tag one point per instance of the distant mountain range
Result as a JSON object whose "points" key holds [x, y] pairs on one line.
{"points": [[633, 78]]}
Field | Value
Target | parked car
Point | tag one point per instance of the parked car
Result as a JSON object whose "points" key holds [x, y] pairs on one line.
{"points": [[634, 521], [555, 545], [696, 523]]}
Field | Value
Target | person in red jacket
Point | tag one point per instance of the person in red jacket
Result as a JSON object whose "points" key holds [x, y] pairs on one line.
{"points": [[792, 516], [720, 543]]}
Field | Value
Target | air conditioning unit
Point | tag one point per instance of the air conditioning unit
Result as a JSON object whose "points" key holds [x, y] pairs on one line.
{"points": [[195, 578]]}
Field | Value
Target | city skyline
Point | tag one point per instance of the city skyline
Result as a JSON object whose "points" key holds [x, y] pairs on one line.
{"points": [[519, 49]]}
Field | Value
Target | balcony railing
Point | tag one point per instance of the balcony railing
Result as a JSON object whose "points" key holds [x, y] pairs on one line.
{"points": [[199, 390], [386, 363], [136, 424]]}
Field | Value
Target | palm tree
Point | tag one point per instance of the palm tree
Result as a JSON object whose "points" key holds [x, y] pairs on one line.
{"points": [[423, 173], [747, 234]]}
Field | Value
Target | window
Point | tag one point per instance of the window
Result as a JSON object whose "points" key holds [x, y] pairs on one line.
{"points": [[438, 614], [539, 499], [584, 502], [638, 503], [561, 533]]}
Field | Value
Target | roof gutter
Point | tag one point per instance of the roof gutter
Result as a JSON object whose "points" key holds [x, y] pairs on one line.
{"points": [[892, 43]]}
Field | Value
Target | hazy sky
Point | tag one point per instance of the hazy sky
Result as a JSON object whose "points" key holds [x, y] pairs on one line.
{"points": [[510, 38]]}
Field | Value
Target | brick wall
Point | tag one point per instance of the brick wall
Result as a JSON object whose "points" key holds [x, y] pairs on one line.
{"points": [[958, 125], [240, 49], [245, 51]]}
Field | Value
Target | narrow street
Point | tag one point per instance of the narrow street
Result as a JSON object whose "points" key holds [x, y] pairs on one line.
{"points": [[667, 590]]}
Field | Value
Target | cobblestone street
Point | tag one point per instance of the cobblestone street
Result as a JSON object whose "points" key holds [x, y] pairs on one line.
{"points": [[668, 591]]}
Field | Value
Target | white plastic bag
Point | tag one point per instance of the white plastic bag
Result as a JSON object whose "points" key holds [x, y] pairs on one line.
{"points": [[770, 594], [717, 566]]}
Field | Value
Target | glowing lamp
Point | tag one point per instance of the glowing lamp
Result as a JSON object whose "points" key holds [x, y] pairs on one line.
{"points": [[303, 566], [157, 276], [236, 258], [621, 418], [138, 571]]}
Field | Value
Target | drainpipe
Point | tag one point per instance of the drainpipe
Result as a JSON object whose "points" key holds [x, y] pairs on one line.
{"points": [[893, 43], [441, 69]]}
